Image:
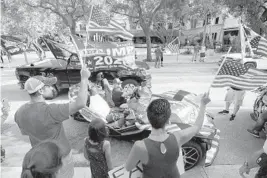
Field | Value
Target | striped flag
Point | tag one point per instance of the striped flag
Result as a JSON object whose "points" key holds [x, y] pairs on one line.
{"points": [[257, 42], [102, 22], [174, 45], [235, 74], [259, 46]]}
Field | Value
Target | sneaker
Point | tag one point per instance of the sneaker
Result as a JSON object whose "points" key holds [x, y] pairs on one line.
{"points": [[224, 112], [232, 117], [252, 132]]}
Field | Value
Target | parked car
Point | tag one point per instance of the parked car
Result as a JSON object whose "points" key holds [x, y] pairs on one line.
{"points": [[66, 67], [251, 62], [184, 106]]}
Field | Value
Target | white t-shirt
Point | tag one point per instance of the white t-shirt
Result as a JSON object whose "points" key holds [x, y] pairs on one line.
{"points": [[265, 147], [99, 105]]}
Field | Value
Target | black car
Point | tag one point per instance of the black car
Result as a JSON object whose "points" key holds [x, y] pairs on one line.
{"points": [[66, 67]]}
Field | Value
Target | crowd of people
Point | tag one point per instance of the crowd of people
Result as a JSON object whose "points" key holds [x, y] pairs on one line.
{"points": [[258, 158], [51, 154]]}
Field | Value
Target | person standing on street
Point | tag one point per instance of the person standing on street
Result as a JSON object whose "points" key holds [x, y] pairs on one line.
{"points": [[41, 121], [235, 95], [158, 57], [162, 50], [196, 51]]}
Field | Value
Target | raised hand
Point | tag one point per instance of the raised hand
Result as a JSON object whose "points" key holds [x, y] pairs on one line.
{"points": [[205, 99], [85, 73]]}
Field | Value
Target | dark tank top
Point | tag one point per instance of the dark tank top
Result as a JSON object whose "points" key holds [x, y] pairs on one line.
{"points": [[162, 165]]}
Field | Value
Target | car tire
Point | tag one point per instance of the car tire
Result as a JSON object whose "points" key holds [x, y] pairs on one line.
{"points": [[251, 65], [129, 83], [192, 154]]}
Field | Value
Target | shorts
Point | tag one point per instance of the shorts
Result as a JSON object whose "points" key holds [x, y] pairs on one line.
{"points": [[67, 169], [235, 96]]}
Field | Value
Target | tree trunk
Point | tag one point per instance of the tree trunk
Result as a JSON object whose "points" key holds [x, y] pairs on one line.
{"points": [[205, 30], [25, 56], [148, 44], [6, 51]]}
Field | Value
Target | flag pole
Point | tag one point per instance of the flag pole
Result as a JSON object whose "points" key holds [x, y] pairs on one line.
{"points": [[88, 25], [242, 39], [225, 58]]}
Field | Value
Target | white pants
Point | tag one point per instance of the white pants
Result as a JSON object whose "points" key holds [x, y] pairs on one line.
{"points": [[235, 96]]}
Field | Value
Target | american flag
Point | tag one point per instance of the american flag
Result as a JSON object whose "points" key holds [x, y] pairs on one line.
{"points": [[102, 22], [259, 46], [174, 45], [235, 74]]}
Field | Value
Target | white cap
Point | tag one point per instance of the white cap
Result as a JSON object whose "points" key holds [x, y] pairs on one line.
{"points": [[33, 84]]}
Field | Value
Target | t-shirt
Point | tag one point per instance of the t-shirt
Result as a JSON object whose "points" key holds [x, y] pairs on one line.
{"points": [[265, 147], [42, 121]]}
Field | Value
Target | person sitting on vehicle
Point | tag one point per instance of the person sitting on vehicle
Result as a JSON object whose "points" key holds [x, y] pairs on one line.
{"points": [[260, 123], [42, 161], [104, 87], [159, 153], [98, 105], [132, 111], [117, 93]]}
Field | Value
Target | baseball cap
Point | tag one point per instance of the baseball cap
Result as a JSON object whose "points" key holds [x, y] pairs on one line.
{"points": [[33, 84]]}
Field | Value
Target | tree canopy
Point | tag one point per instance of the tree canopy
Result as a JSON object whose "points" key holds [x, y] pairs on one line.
{"points": [[250, 10]]}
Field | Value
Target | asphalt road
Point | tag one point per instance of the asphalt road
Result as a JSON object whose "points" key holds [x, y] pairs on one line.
{"points": [[235, 143]]}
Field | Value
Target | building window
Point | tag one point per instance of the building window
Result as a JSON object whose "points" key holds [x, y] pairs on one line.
{"points": [[214, 36], [204, 21], [170, 25], [193, 23], [217, 20]]}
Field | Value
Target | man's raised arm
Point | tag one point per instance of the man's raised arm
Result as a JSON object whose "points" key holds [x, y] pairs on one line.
{"points": [[80, 101]]}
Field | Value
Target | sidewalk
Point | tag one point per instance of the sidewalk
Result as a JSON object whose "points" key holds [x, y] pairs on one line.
{"points": [[184, 59], [219, 171]]}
